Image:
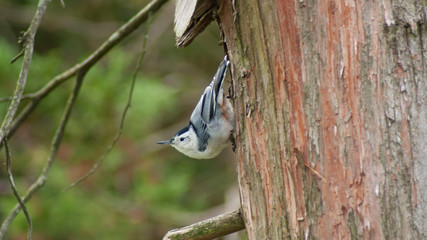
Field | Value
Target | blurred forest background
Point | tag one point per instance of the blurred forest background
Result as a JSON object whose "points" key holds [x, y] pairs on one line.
{"points": [[142, 189]]}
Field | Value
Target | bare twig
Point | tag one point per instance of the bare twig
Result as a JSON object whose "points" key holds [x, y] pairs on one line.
{"points": [[10, 125], [7, 99], [27, 52], [28, 46], [212, 228], [20, 54], [56, 141], [112, 41], [15, 191], [123, 117]]}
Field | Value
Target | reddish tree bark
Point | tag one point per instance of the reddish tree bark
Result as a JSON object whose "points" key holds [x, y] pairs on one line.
{"points": [[331, 117]]}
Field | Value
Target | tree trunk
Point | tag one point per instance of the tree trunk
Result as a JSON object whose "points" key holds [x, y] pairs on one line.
{"points": [[331, 117]]}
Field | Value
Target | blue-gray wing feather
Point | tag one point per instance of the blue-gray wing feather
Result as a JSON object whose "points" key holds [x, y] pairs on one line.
{"points": [[203, 135], [206, 108]]}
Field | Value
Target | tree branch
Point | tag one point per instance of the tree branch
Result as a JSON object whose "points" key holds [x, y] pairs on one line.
{"points": [[212, 228], [56, 141], [124, 31], [28, 47], [80, 70], [14, 190]]}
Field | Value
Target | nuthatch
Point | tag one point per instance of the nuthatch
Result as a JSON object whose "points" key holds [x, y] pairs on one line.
{"points": [[211, 122]]}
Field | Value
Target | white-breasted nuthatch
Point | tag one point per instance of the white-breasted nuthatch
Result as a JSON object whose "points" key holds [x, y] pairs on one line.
{"points": [[211, 122]]}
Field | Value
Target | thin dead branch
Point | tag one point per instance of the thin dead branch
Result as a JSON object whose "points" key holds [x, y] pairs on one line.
{"points": [[11, 124], [15, 190], [124, 31], [28, 47], [56, 142]]}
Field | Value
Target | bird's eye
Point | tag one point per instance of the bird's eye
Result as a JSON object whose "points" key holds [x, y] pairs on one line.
{"points": [[181, 139]]}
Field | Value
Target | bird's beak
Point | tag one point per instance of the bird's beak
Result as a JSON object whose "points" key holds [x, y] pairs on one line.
{"points": [[165, 142]]}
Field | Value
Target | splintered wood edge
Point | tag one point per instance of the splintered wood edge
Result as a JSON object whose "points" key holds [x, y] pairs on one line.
{"points": [[191, 18], [184, 10]]}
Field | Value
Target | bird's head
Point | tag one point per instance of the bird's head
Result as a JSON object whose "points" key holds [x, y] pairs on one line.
{"points": [[185, 141]]}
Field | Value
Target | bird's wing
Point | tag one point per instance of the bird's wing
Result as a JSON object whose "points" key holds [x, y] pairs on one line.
{"points": [[206, 107], [203, 135]]}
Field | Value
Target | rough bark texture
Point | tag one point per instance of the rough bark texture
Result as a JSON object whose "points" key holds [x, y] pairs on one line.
{"points": [[331, 117]]}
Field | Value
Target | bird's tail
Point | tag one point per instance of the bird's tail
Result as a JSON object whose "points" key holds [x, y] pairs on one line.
{"points": [[220, 75]]}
